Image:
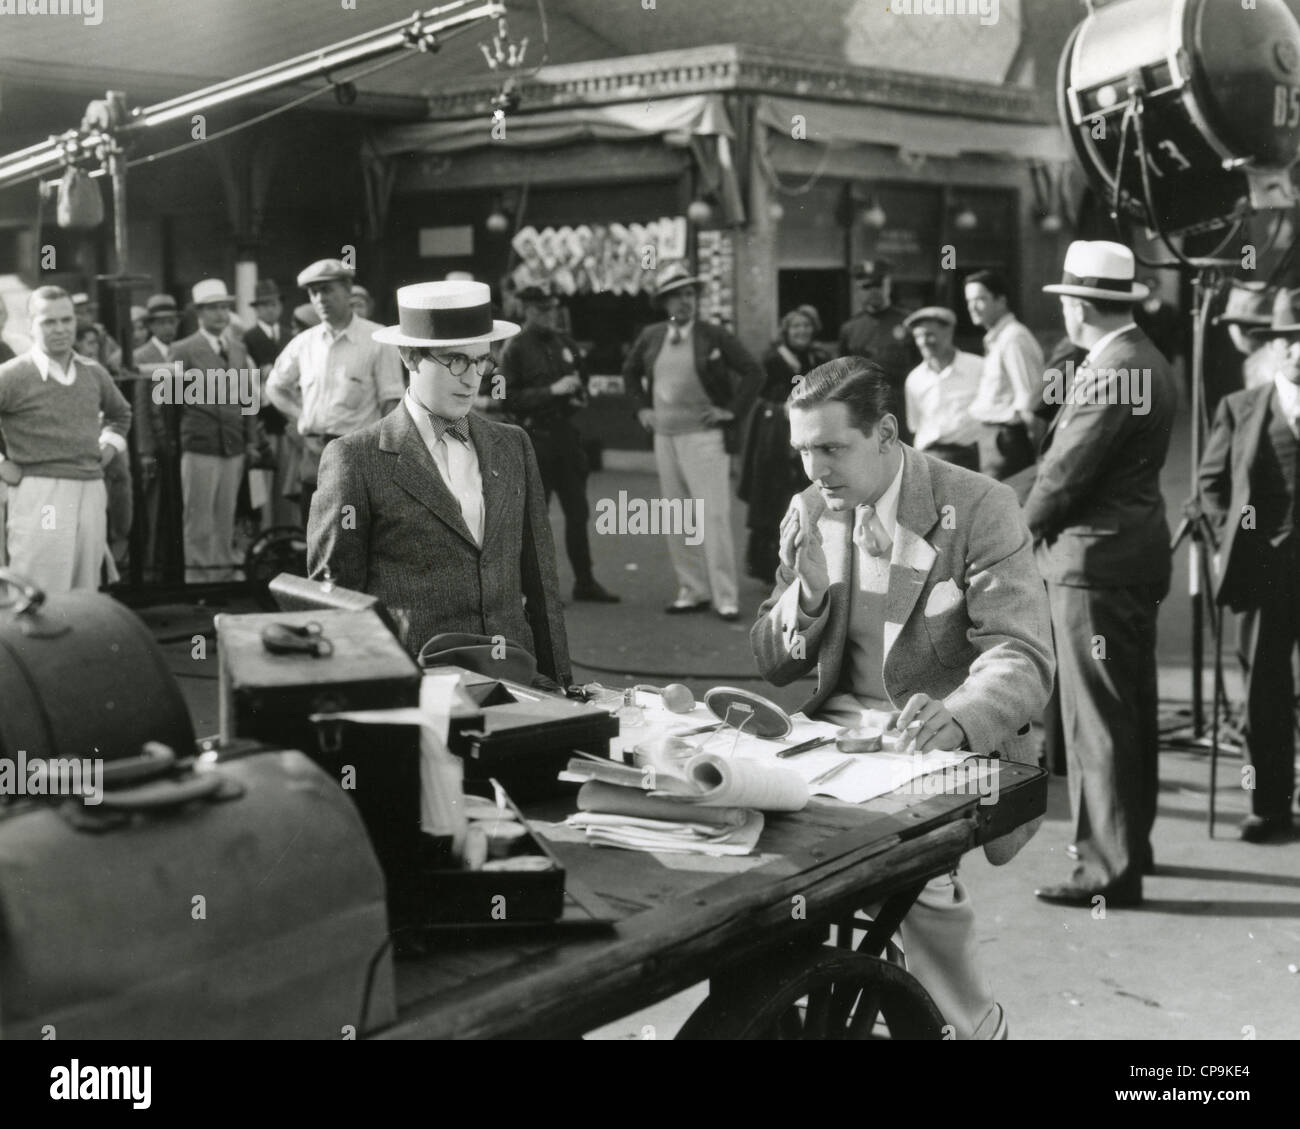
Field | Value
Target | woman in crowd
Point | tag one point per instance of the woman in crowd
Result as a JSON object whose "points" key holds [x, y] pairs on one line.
{"points": [[771, 473]]}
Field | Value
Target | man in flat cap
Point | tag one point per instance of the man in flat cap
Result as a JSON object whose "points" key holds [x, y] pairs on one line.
{"points": [[544, 386], [445, 516], [940, 389], [334, 378], [877, 331]]}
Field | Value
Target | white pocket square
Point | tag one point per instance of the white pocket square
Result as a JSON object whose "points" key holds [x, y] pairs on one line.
{"points": [[942, 597]]}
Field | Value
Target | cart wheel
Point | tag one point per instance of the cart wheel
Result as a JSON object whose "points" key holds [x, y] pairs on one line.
{"points": [[282, 549], [822, 994]]}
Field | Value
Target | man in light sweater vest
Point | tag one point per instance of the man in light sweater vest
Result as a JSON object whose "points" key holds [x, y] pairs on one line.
{"points": [[52, 403]]}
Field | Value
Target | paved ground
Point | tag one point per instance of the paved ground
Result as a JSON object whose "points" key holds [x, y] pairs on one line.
{"points": [[1212, 953]]}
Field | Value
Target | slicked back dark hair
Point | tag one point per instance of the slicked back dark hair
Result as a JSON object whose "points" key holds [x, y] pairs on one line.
{"points": [[991, 280], [855, 382]]}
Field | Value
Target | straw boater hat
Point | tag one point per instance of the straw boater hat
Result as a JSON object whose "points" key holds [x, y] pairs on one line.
{"points": [[445, 313], [1099, 270], [674, 276], [1285, 321], [211, 292]]}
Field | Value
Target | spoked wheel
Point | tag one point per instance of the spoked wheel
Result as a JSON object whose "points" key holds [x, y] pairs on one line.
{"points": [[282, 549], [819, 994]]}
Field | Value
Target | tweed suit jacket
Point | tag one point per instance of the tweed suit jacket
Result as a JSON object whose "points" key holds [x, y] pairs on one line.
{"points": [[214, 428], [1227, 474], [1096, 510], [405, 541], [966, 616]]}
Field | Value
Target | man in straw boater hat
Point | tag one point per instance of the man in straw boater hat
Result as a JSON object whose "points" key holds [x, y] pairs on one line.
{"points": [[1248, 483], [1102, 544], [435, 510], [693, 384]]}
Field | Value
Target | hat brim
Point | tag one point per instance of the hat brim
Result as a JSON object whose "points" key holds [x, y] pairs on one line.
{"points": [[1257, 321], [393, 335], [1137, 294], [916, 319], [681, 283], [152, 315], [227, 302]]}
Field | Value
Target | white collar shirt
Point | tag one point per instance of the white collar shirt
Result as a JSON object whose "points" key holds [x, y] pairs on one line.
{"points": [[1013, 373], [48, 367], [1102, 342], [1288, 396], [938, 402], [457, 462]]}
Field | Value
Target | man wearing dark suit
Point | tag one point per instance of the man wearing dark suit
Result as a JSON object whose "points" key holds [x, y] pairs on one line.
{"points": [[693, 385], [1248, 484], [264, 342], [438, 511], [908, 582], [877, 331], [217, 434], [1098, 518]]}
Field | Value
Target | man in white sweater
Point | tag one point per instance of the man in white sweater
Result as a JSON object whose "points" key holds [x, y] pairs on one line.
{"points": [[62, 418]]}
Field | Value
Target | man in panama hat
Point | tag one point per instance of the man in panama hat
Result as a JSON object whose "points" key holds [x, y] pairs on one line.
{"points": [[693, 384], [1248, 486], [1101, 541], [434, 509]]}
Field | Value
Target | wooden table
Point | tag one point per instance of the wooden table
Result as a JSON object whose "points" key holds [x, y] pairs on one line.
{"points": [[758, 936]]}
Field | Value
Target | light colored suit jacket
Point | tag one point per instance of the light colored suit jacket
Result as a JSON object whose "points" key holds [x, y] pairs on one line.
{"points": [[966, 616], [403, 538]]}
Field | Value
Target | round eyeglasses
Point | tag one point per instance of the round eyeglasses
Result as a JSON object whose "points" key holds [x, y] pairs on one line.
{"points": [[458, 363]]}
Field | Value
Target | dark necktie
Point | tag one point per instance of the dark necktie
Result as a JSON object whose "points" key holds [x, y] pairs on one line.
{"points": [[459, 427]]}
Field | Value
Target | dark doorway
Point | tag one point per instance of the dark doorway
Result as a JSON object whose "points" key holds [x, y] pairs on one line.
{"points": [[824, 289]]}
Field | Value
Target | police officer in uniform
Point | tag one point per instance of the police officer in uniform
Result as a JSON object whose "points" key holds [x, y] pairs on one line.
{"points": [[877, 331], [545, 386]]}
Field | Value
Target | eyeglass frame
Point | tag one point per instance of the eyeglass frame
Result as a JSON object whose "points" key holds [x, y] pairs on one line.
{"points": [[423, 351]]}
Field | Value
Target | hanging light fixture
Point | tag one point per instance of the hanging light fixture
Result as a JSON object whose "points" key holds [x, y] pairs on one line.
{"points": [[874, 215], [1050, 223], [498, 222], [966, 219], [699, 212], [776, 211]]}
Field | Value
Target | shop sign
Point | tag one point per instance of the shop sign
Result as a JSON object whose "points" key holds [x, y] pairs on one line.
{"points": [[597, 258]]}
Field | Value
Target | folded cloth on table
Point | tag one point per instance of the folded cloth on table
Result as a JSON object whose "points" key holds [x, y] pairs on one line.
{"points": [[613, 799], [634, 834]]}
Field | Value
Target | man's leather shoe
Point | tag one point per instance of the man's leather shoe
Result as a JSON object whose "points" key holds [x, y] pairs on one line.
{"points": [[730, 615], [681, 607], [1074, 893], [592, 592], [1262, 829]]}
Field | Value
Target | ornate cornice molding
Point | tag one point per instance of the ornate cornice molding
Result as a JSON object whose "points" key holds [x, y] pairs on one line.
{"points": [[735, 68]]}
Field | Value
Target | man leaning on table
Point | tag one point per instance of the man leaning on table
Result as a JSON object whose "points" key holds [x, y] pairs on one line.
{"points": [[908, 582]]}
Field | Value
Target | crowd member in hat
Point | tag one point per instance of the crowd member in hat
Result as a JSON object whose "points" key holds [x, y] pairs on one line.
{"points": [[110, 352], [158, 439], [545, 384], [360, 301], [888, 601], [1249, 468], [692, 384], [265, 341], [1011, 384], [446, 513], [139, 328], [215, 439], [1237, 359], [1098, 520], [939, 391], [335, 378], [51, 405], [876, 331], [770, 474]]}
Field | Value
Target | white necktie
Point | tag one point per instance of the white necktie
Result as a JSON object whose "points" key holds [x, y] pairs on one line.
{"points": [[870, 533]]}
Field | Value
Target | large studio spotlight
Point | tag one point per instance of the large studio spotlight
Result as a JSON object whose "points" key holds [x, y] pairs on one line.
{"points": [[1189, 108]]}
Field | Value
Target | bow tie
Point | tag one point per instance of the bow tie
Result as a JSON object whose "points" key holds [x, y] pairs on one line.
{"points": [[458, 427], [870, 533]]}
